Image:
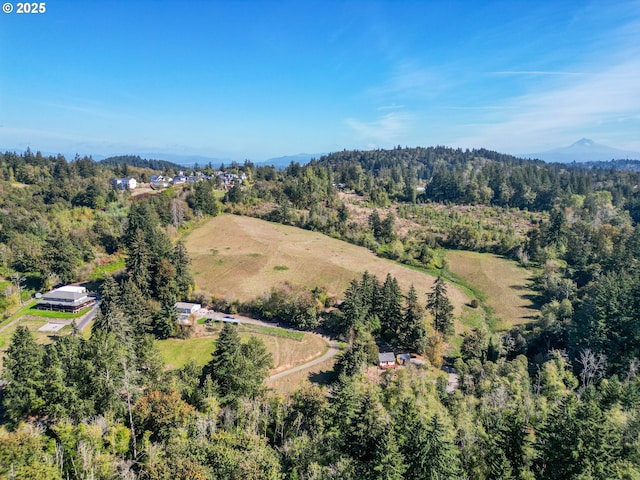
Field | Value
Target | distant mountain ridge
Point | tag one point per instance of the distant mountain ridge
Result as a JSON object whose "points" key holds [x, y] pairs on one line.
{"points": [[584, 150]]}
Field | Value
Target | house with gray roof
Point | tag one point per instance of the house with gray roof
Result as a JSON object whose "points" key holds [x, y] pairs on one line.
{"points": [[70, 298]]}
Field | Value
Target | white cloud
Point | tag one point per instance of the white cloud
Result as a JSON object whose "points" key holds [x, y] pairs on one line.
{"points": [[383, 130], [536, 72], [598, 98], [409, 81], [551, 117]]}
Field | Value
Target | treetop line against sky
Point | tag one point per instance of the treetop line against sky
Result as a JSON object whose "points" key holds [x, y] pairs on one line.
{"points": [[257, 79]]}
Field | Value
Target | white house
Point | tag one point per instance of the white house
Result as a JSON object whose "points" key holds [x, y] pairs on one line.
{"points": [[127, 182], [187, 308]]}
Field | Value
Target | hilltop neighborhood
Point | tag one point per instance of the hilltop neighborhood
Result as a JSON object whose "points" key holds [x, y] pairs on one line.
{"points": [[226, 180]]}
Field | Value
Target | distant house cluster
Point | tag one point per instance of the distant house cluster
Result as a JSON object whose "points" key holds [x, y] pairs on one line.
{"points": [[124, 183], [163, 181], [228, 180], [225, 179], [69, 298]]}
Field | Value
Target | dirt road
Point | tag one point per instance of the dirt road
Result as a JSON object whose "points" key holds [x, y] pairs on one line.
{"points": [[332, 349]]}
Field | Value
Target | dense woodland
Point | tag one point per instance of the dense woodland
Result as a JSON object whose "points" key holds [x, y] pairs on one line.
{"points": [[558, 398]]}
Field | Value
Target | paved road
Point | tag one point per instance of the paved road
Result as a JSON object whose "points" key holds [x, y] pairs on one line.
{"points": [[87, 317], [330, 353], [81, 321]]}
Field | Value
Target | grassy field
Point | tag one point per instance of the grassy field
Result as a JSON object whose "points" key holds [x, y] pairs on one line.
{"points": [[33, 319], [287, 352], [34, 312], [505, 284], [241, 258], [32, 324], [115, 265]]}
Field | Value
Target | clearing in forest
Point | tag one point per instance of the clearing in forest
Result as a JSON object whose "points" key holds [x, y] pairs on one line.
{"points": [[507, 285], [240, 258], [287, 352]]}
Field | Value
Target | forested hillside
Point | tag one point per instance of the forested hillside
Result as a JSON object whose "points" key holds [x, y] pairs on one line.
{"points": [[557, 398], [136, 161]]}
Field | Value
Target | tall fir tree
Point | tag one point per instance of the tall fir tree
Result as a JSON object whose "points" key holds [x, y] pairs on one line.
{"points": [[440, 307], [354, 307], [111, 317], [431, 452], [184, 279], [24, 370], [391, 321], [138, 262], [220, 367], [413, 335]]}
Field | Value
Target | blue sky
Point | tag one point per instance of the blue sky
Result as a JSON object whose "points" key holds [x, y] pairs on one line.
{"points": [[248, 79]]}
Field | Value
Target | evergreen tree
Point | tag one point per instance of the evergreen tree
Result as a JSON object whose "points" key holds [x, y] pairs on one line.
{"points": [[376, 224], [58, 394], [60, 256], [140, 217], [139, 314], [388, 461], [237, 370], [431, 454], [111, 317], [104, 359], [165, 288], [414, 333], [167, 319], [580, 432], [354, 360], [440, 307], [369, 287], [255, 362], [354, 307], [203, 201], [387, 234], [183, 278], [66, 379], [391, 320], [138, 262], [109, 296], [24, 370]]}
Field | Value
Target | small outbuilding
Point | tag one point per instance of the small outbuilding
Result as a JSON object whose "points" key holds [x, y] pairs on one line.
{"points": [[387, 360], [403, 358]]}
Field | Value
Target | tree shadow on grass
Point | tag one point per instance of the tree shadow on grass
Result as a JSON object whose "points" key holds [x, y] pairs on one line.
{"points": [[325, 377]]}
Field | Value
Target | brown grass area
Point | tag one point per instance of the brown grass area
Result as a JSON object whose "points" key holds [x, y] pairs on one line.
{"points": [[235, 257], [506, 284], [321, 373], [288, 353], [144, 189]]}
